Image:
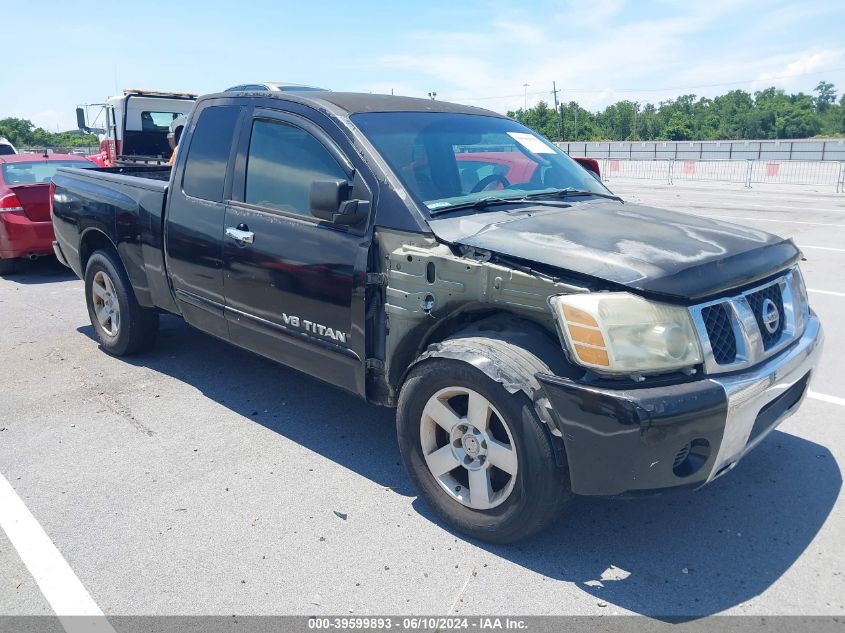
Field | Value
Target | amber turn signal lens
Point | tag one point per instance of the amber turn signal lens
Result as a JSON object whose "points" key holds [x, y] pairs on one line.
{"points": [[574, 315], [587, 340], [586, 335], [592, 355]]}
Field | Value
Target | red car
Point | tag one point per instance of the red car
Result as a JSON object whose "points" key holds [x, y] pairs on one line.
{"points": [[26, 229], [508, 167]]}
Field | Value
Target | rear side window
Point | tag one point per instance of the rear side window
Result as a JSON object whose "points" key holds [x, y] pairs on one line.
{"points": [[6, 150], [208, 155], [157, 121], [283, 162]]}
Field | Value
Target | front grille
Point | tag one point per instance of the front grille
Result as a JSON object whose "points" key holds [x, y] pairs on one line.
{"points": [[735, 326], [756, 301], [719, 331]]}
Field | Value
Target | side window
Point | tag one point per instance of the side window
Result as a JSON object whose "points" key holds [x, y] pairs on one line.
{"points": [[157, 121], [283, 162], [208, 154]]}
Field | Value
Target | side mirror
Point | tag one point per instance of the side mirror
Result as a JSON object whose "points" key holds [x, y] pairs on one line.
{"points": [[81, 123], [329, 200]]}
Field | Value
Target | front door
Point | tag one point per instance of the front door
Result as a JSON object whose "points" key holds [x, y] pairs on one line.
{"points": [[293, 284]]}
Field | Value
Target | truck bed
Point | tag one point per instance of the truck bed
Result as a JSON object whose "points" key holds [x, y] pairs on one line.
{"points": [[153, 172], [124, 203]]}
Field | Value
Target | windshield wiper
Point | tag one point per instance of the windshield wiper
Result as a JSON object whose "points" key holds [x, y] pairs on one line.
{"points": [[483, 203], [571, 191]]}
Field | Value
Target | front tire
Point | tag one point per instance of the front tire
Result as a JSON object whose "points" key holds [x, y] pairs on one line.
{"points": [[479, 456], [122, 326]]}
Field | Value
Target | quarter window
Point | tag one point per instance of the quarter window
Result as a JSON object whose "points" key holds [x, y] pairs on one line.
{"points": [[208, 155], [283, 162]]}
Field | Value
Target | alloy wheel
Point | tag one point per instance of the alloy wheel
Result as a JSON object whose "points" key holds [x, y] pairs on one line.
{"points": [[468, 447]]}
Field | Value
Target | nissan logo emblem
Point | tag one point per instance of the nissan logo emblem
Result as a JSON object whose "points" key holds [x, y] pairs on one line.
{"points": [[770, 315]]}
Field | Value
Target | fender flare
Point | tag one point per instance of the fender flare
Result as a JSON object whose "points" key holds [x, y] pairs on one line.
{"points": [[511, 352]]}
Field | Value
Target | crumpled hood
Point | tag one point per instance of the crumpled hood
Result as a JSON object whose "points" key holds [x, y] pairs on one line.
{"points": [[644, 248]]}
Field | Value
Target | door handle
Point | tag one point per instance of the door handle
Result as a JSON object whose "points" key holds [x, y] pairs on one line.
{"points": [[239, 235]]}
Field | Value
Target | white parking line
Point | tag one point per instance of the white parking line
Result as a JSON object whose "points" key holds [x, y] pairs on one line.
{"points": [[826, 398], [826, 292], [60, 586], [823, 248], [734, 217], [750, 205]]}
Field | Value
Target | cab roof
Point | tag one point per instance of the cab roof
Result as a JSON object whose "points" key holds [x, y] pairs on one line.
{"points": [[360, 102]]}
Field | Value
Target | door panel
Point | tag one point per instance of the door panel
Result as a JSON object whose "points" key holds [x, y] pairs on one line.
{"points": [[294, 286], [195, 217], [289, 293]]}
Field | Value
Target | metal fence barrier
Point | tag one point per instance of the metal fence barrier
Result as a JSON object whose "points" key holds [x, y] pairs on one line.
{"points": [[811, 149], [746, 172]]}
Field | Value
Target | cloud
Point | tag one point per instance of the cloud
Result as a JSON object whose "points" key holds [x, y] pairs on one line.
{"points": [[807, 62], [608, 50]]}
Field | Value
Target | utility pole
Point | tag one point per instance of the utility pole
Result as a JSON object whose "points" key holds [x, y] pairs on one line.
{"points": [[576, 121], [559, 113], [525, 88], [432, 95], [636, 109]]}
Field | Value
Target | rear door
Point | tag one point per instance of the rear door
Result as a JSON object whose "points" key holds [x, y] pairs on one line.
{"points": [[294, 289], [195, 215]]}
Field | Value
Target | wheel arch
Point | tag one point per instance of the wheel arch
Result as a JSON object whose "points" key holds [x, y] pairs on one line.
{"points": [[93, 240], [508, 349]]}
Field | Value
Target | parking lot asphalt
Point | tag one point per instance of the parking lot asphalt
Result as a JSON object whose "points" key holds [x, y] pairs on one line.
{"points": [[201, 479]]}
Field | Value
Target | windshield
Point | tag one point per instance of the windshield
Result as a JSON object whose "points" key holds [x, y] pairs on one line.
{"points": [[447, 159], [36, 172]]}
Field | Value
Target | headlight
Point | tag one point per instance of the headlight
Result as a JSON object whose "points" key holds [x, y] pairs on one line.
{"points": [[622, 333]]}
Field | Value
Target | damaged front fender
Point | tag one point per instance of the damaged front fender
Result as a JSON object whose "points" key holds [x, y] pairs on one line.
{"points": [[511, 352]]}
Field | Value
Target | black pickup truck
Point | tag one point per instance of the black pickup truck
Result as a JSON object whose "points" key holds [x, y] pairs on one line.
{"points": [[539, 337]]}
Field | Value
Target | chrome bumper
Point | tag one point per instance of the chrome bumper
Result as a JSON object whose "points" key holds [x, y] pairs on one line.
{"points": [[749, 392]]}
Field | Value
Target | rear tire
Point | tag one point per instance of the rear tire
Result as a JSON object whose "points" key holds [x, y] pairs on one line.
{"points": [[122, 326], [8, 266], [511, 506]]}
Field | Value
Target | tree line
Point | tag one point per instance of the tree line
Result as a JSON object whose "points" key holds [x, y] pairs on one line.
{"points": [[23, 133], [767, 114]]}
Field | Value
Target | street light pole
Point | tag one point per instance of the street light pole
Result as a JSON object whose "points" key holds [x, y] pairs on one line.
{"points": [[525, 88]]}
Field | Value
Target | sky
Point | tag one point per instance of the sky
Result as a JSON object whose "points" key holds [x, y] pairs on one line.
{"points": [[60, 54]]}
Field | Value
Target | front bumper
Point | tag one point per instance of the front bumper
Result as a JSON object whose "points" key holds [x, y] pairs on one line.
{"points": [[686, 435]]}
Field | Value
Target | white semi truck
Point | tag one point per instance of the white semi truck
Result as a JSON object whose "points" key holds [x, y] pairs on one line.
{"points": [[133, 127]]}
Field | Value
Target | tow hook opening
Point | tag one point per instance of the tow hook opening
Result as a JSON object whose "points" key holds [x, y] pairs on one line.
{"points": [[691, 457]]}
